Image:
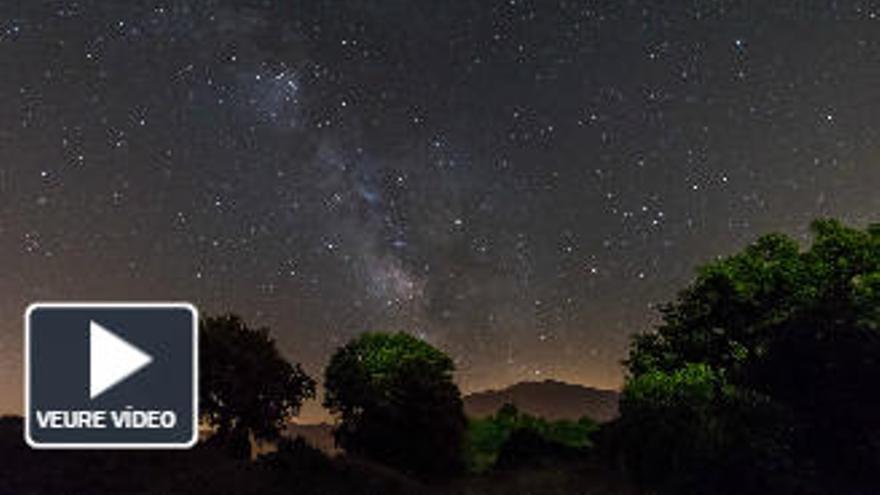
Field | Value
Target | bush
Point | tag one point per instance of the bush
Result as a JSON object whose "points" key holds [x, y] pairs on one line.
{"points": [[532, 438]]}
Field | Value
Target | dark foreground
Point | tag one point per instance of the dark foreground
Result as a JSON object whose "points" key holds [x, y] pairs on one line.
{"points": [[299, 469]]}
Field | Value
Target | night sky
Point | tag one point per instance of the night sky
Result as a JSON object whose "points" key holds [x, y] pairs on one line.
{"points": [[517, 182]]}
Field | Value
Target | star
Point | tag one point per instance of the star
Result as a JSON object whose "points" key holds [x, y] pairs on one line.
{"points": [[488, 178]]}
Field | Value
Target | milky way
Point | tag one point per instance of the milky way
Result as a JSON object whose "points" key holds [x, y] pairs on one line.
{"points": [[516, 182]]}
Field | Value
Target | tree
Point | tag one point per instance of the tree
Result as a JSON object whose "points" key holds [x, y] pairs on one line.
{"points": [[246, 387], [397, 403], [691, 431], [792, 336]]}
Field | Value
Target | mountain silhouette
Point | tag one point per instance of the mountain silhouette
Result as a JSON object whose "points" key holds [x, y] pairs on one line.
{"points": [[549, 399]]}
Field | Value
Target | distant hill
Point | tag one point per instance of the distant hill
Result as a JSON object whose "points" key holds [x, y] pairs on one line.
{"points": [[549, 399]]}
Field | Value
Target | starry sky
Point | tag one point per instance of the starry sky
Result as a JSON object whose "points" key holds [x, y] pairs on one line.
{"points": [[518, 182]]}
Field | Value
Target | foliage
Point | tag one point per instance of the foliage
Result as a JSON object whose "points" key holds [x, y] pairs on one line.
{"points": [[788, 343], [246, 387], [397, 403], [687, 429], [487, 437]]}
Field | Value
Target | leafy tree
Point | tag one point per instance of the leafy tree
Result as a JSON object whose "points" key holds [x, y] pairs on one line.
{"points": [[687, 429], [246, 387], [397, 403], [790, 335]]}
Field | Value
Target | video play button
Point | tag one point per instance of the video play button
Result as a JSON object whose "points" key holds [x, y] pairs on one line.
{"points": [[111, 359], [111, 375]]}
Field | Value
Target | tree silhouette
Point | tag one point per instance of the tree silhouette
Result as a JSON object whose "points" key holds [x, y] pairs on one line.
{"points": [[787, 335], [397, 403], [246, 387]]}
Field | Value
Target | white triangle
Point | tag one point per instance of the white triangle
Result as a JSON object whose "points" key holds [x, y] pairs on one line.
{"points": [[111, 359]]}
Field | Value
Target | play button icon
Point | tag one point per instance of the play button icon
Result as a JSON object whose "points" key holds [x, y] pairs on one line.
{"points": [[111, 359], [111, 375]]}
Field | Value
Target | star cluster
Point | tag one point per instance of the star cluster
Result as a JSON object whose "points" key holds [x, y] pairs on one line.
{"points": [[517, 182]]}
